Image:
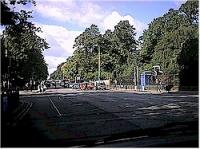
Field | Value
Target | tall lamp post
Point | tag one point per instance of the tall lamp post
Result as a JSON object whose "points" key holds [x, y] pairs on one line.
{"points": [[99, 62], [136, 71], [99, 76]]}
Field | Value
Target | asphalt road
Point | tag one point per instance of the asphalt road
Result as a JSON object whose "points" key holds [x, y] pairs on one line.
{"points": [[107, 119]]}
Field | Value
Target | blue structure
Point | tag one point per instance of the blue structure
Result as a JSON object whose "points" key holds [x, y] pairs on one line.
{"points": [[145, 79]]}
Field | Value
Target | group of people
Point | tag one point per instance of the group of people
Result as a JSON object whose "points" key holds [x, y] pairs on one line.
{"points": [[41, 87]]}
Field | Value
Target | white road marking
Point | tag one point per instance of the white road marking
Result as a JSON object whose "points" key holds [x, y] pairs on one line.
{"points": [[181, 96], [171, 106], [150, 108], [152, 113], [167, 106], [59, 97], [130, 138], [68, 95], [55, 107]]}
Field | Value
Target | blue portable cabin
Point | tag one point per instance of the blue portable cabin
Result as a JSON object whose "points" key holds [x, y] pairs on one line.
{"points": [[145, 79]]}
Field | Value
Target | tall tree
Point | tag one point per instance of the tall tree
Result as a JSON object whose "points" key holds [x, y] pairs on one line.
{"points": [[22, 48], [124, 40], [86, 49], [164, 40], [116, 50]]}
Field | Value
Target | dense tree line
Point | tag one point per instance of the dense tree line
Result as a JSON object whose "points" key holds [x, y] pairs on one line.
{"points": [[171, 41], [22, 59], [58, 73], [117, 52]]}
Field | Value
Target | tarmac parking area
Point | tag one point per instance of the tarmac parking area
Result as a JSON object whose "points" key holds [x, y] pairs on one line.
{"points": [[97, 118]]}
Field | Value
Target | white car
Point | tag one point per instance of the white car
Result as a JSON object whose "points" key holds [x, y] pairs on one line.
{"points": [[76, 86]]}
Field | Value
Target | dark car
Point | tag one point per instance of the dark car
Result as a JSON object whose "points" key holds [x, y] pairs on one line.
{"points": [[48, 84]]}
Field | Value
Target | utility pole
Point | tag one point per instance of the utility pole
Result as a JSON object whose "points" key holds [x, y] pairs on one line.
{"points": [[137, 70], [9, 73], [137, 77], [99, 76]]}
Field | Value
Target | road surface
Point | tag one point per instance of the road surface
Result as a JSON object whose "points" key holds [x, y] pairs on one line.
{"points": [[106, 119]]}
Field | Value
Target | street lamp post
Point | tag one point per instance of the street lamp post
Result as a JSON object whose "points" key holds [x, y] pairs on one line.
{"points": [[99, 75], [99, 62], [137, 68], [136, 71]]}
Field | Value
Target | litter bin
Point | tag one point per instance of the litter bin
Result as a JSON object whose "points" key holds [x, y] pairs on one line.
{"points": [[5, 102]]}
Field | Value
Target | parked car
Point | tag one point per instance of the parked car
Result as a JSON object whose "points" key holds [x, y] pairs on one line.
{"points": [[87, 85], [48, 83], [55, 83], [70, 84], [83, 85], [76, 86], [90, 86], [100, 85], [64, 84]]}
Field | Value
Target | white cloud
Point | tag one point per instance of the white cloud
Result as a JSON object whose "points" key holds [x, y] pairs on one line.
{"points": [[53, 62], [79, 12], [89, 14], [61, 43], [112, 19], [55, 10], [84, 14], [59, 38]]}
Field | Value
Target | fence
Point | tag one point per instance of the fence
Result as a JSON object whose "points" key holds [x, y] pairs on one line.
{"points": [[161, 82]]}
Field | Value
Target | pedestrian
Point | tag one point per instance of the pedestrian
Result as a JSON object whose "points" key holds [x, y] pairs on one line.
{"points": [[115, 83], [160, 86], [40, 89], [42, 86], [31, 86], [26, 86]]}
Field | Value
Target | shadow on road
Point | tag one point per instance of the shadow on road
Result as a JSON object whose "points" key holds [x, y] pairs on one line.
{"points": [[24, 135]]}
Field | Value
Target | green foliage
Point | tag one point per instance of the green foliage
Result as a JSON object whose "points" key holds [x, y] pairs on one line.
{"points": [[164, 40], [8, 16], [116, 49], [171, 41], [191, 11], [57, 74], [22, 49]]}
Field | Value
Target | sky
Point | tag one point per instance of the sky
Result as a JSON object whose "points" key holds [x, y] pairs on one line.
{"points": [[63, 20]]}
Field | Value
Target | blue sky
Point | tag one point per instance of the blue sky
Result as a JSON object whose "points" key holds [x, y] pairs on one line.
{"points": [[63, 20]]}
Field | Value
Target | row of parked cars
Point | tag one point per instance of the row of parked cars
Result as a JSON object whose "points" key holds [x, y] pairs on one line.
{"points": [[70, 85], [94, 85], [97, 85]]}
